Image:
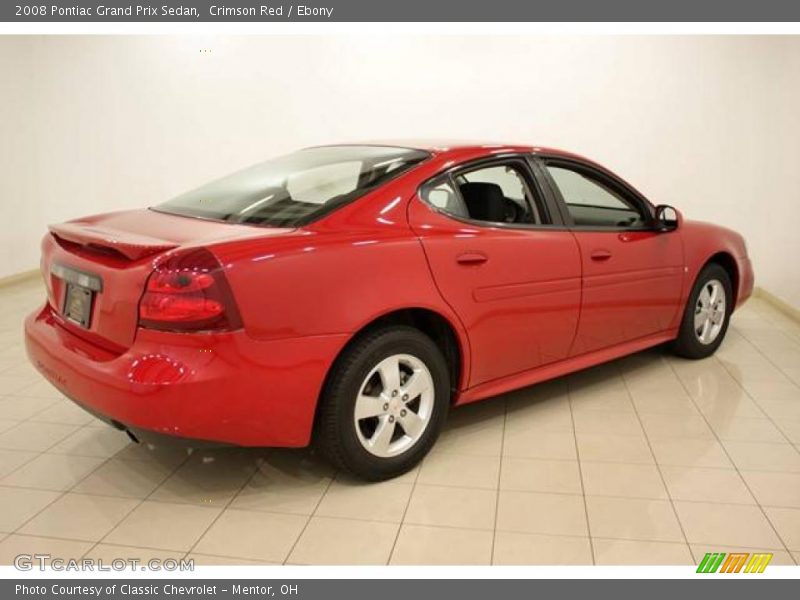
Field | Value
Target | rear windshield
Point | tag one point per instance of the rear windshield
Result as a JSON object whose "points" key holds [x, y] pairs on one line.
{"points": [[295, 189]]}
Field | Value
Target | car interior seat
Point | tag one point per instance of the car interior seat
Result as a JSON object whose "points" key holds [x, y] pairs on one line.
{"points": [[485, 201]]}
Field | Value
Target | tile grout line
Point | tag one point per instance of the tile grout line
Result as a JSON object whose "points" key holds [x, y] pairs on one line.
{"points": [[66, 454], [499, 480], [62, 494], [742, 332], [35, 456], [112, 458], [138, 504], [452, 487], [69, 490], [794, 340], [580, 473], [405, 512], [227, 504], [76, 429], [747, 392], [309, 518], [730, 458], [47, 452], [655, 461], [443, 527]]}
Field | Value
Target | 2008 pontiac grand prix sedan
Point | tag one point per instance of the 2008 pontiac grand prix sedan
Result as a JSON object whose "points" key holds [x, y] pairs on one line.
{"points": [[352, 294]]}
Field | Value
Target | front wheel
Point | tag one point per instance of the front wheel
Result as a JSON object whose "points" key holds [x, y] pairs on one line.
{"points": [[707, 314], [384, 403]]}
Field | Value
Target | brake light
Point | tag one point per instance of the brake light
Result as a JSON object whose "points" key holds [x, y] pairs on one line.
{"points": [[189, 292]]}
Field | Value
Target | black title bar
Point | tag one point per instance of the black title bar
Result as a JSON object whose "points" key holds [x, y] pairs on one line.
{"points": [[394, 589], [404, 10]]}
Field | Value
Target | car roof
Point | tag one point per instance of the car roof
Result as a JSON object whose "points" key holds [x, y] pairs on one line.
{"points": [[455, 148]]}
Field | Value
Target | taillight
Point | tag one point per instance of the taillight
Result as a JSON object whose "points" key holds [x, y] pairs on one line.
{"points": [[189, 292]]}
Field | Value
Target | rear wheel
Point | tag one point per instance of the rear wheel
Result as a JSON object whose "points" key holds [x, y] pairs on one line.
{"points": [[384, 404], [707, 313]]}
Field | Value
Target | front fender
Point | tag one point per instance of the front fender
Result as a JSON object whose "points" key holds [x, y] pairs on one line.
{"points": [[704, 242]]}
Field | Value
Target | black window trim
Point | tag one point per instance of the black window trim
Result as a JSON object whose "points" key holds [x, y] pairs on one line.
{"points": [[521, 160], [541, 161]]}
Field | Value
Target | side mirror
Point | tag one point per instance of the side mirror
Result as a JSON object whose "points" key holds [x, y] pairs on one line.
{"points": [[667, 218]]}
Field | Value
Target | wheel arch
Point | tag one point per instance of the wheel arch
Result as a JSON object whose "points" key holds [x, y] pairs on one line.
{"points": [[444, 333], [728, 262]]}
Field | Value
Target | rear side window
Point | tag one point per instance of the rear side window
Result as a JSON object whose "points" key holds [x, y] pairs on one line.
{"points": [[295, 189], [443, 196], [497, 193], [507, 180]]}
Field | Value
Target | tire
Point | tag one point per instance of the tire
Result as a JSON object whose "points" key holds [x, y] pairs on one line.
{"points": [[693, 340], [374, 375]]}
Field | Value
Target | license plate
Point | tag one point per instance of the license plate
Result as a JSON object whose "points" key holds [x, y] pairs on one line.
{"points": [[80, 288], [78, 304]]}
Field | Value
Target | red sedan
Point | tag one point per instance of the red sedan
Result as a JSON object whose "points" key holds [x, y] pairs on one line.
{"points": [[351, 294]]}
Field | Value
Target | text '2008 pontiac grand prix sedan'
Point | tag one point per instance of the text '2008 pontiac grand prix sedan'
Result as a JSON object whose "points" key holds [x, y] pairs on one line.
{"points": [[352, 294]]}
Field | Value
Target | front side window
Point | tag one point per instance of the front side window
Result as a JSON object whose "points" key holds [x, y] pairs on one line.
{"points": [[499, 193], [295, 189], [592, 203]]}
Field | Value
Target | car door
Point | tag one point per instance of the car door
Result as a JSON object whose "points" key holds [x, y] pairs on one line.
{"points": [[504, 262], [632, 274]]}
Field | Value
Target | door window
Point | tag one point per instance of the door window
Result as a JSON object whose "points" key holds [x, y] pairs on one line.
{"points": [[592, 203], [499, 193]]}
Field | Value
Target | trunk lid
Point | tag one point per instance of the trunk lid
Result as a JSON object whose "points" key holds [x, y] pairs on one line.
{"points": [[113, 254]]}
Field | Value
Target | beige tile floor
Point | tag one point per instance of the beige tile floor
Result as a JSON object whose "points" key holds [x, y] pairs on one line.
{"points": [[646, 460]]}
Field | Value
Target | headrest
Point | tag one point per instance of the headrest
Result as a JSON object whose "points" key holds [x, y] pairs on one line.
{"points": [[484, 201]]}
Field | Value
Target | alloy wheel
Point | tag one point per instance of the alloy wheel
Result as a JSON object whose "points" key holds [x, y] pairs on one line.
{"points": [[394, 405], [710, 312]]}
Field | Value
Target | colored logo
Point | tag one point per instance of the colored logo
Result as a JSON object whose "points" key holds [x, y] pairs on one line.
{"points": [[735, 562]]}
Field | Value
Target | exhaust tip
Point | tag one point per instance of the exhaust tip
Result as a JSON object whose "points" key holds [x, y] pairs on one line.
{"points": [[128, 432]]}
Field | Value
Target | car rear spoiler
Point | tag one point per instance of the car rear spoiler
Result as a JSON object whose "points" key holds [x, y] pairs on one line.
{"points": [[131, 245]]}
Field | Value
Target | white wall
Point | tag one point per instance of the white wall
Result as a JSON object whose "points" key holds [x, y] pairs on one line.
{"points": [[709, 124]]}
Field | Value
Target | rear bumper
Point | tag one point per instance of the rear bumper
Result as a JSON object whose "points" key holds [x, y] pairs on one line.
{"points": [[224, 387]]}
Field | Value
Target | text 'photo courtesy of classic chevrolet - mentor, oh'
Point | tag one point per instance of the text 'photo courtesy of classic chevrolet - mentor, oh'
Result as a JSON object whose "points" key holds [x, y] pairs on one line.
{"points": [[350, 295]]}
